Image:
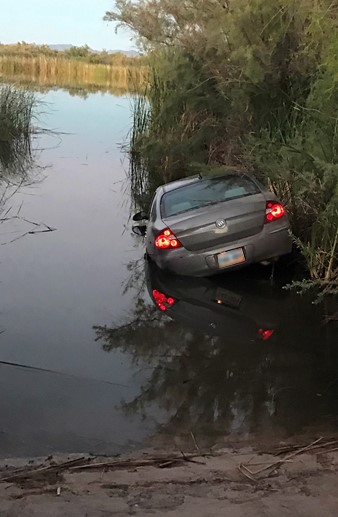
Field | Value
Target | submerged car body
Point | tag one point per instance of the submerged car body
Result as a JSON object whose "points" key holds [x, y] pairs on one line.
{"points": [[200, 226]]}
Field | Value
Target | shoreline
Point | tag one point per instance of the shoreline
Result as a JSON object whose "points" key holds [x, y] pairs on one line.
{"points": [[292, 479]]}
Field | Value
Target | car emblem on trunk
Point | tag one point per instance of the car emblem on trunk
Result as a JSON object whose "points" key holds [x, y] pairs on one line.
{"points": [[221, 224]]}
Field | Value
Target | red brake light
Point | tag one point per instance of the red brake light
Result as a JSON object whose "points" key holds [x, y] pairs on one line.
{"points": [[162, 301], [274, 211], [167, 240], [265, 334]]}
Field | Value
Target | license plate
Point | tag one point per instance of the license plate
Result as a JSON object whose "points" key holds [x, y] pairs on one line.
{"points": [[230, 258], [224, 297]]}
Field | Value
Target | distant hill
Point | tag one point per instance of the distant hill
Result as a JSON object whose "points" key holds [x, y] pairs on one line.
{"points": [[63, 47], [131, 53], [59, 47]]}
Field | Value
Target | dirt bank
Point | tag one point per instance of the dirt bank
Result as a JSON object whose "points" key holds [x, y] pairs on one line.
{"points": [[295, 480]]}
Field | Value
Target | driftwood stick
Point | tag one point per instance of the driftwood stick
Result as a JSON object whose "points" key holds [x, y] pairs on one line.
{"points": [[243, 470], [194, 440], [125, 464], [327, 452], [286, 449], [25, 474], [280, 462]]}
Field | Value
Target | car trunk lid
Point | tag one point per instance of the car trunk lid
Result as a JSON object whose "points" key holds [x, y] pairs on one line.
{"points": [[201, 228]]}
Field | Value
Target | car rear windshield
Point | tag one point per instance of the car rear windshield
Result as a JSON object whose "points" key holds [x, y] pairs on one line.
{"points": [[207, 192]]}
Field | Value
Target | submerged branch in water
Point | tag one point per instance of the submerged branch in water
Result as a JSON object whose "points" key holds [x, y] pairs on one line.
{"points": [[45, 228]]}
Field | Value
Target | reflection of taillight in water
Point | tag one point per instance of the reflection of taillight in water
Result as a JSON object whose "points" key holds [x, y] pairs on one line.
{"points": [[162, 301], [166, 240], [265, 334], [274, 211]]}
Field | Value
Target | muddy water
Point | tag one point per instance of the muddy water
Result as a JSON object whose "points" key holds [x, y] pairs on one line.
{"points": [[87, 362]]}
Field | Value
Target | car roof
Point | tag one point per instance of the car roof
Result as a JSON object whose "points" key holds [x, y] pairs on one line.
{"points": [[173, 185]]}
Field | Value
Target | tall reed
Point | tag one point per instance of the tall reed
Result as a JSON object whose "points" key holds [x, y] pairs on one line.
{"points": [[16, 127], [56, 71]]}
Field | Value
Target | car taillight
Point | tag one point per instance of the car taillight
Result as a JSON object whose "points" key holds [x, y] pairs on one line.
{"points": [[274, 211], [265, 334], [167, 240], [163, 301]]}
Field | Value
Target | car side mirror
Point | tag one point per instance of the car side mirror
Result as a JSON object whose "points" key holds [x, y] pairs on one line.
{"points": [[140, 216], [139, 229]]}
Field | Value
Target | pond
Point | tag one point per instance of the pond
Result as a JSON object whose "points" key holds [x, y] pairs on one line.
{"points": [[88, 363]]}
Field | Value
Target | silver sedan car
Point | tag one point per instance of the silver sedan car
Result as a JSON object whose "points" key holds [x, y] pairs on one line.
{"points": [[205, 225]]}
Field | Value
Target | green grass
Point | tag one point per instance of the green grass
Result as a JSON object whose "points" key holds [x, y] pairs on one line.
{"points": [[16, 128]]}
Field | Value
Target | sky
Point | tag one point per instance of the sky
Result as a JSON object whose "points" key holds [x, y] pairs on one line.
{"points": [[77, 22]]}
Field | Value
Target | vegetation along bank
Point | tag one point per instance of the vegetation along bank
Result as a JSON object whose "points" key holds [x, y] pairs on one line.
{"points": [[251, 85]]}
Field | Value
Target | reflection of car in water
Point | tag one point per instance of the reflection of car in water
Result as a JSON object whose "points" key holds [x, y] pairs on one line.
{"points": [[235, 357], [239, 308], [200, 226]]}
